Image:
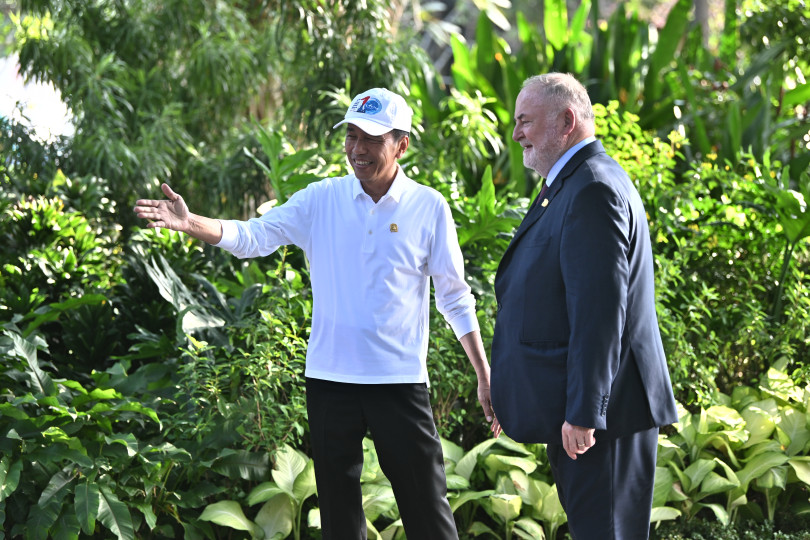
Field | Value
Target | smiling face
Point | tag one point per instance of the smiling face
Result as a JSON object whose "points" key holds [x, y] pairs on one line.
{"points": [[540, 130], [374, 158]]}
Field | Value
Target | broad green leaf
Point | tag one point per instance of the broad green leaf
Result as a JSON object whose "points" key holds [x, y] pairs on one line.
{"points": [[66, 527], [41, 382], [797, 96], [505, 506], [552, 510], [497, 463], [276, 517], [457, 501], [451, 451], [263, 493], [229, 514], [775, 477], [759, 65], [9, 476], [759, 421], [758, 466], [395, 531], [10, 411], [663, 485], [465, 466], [520, 481], [55, 310], [719, 512], [801, 466], [779, 384], [242, 464], [485, 47], [714, 483], [724, 415], [58, 483], [372, 472], [529, 529], [115, 515], [515, 447], [289, 464], [456, 482], [304, 486], [669, 38], [148, 514], [127, 440], [555, 23], [462, 68], [793, 424], [86, 504], [664, 513], [534, 495], [41, 518], [696, 472], [377, 500], [582, 40], [478, 529], [314, 518]]}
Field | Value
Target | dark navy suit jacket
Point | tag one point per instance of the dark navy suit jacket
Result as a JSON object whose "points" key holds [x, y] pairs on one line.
{"points": [[576, 335]]}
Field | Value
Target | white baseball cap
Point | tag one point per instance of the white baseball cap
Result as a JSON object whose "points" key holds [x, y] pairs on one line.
{"points": [[378, 111]]}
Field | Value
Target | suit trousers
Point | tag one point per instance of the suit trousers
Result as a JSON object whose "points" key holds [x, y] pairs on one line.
{"points": [[607, 491], [400, 421]]}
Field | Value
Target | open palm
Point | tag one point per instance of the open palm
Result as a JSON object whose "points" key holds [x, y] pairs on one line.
{"points": [[171, 213]]}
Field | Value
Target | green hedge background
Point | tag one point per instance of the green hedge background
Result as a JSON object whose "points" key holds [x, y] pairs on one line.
{"points": [[151, 386]]}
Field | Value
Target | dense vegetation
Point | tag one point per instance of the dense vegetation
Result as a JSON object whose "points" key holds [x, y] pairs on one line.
{"points": [[151, 386]]}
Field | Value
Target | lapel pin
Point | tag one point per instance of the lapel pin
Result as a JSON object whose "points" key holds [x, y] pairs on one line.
{"points": [[393, 227], [544, 203]]}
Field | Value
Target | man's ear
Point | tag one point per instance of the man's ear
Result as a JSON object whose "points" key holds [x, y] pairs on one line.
{"points": [[403, 144], [569, 121]]}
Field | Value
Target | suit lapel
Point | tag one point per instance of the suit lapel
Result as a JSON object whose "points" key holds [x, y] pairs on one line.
{"points": [[536, 211]]}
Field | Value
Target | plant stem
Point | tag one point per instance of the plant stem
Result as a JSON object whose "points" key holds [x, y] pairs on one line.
{"points": [[777, 301]]}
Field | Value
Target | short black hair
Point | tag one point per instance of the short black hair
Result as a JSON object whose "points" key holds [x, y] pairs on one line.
{"points": [[398, 134]]}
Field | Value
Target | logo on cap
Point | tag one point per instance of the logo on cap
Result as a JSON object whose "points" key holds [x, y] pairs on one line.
{"points": [[368, 105]]}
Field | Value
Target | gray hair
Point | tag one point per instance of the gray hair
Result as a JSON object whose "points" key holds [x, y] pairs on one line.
{"points": [[565, 91]]}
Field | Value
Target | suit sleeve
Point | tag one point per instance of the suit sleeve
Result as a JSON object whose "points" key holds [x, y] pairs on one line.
{"points": [[595, 268]]}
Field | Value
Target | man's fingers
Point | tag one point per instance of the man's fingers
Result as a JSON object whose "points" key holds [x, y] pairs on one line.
{"points": [[168, 191]]}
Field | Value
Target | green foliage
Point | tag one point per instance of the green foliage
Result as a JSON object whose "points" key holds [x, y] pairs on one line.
{"points": [[153, 387], [73, 460], [146, 108], [744, 457], [280, 515], [716, 237]]}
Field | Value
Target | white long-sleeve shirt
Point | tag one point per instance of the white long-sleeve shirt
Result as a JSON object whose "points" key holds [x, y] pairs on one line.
{"points": [[370, 269]]}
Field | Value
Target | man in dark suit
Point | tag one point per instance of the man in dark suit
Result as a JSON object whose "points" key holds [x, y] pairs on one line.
{"points": [[577, 358]]}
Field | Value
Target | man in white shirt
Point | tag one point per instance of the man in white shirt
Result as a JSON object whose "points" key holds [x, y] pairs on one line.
{"points": [[374, 240]]}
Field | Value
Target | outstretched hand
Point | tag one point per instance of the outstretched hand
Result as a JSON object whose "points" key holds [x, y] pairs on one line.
{"points": [[171, 213]]}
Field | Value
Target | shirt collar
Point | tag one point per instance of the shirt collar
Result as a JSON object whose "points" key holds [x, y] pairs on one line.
{"points": [[394, 192], [555, 170]]}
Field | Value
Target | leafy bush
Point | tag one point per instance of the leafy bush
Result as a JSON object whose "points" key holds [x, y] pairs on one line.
{"points": [[73, 455]]}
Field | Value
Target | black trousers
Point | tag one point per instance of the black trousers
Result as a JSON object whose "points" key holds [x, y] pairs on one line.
{"points": [[400, 421], [607, 491]]}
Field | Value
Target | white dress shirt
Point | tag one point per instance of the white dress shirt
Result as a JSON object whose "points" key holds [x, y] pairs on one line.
{"points": [[371, 266], [558, 166]]}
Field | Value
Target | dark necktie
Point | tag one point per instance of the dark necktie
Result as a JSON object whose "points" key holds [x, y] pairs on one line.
{"points": [[540, 195]]}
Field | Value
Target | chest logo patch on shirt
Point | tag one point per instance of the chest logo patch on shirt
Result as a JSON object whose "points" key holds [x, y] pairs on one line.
{"points": [[393, 227]]}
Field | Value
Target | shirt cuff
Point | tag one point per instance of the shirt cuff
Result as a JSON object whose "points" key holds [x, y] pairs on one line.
{"points": [[464, 324], [230, 235]]}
